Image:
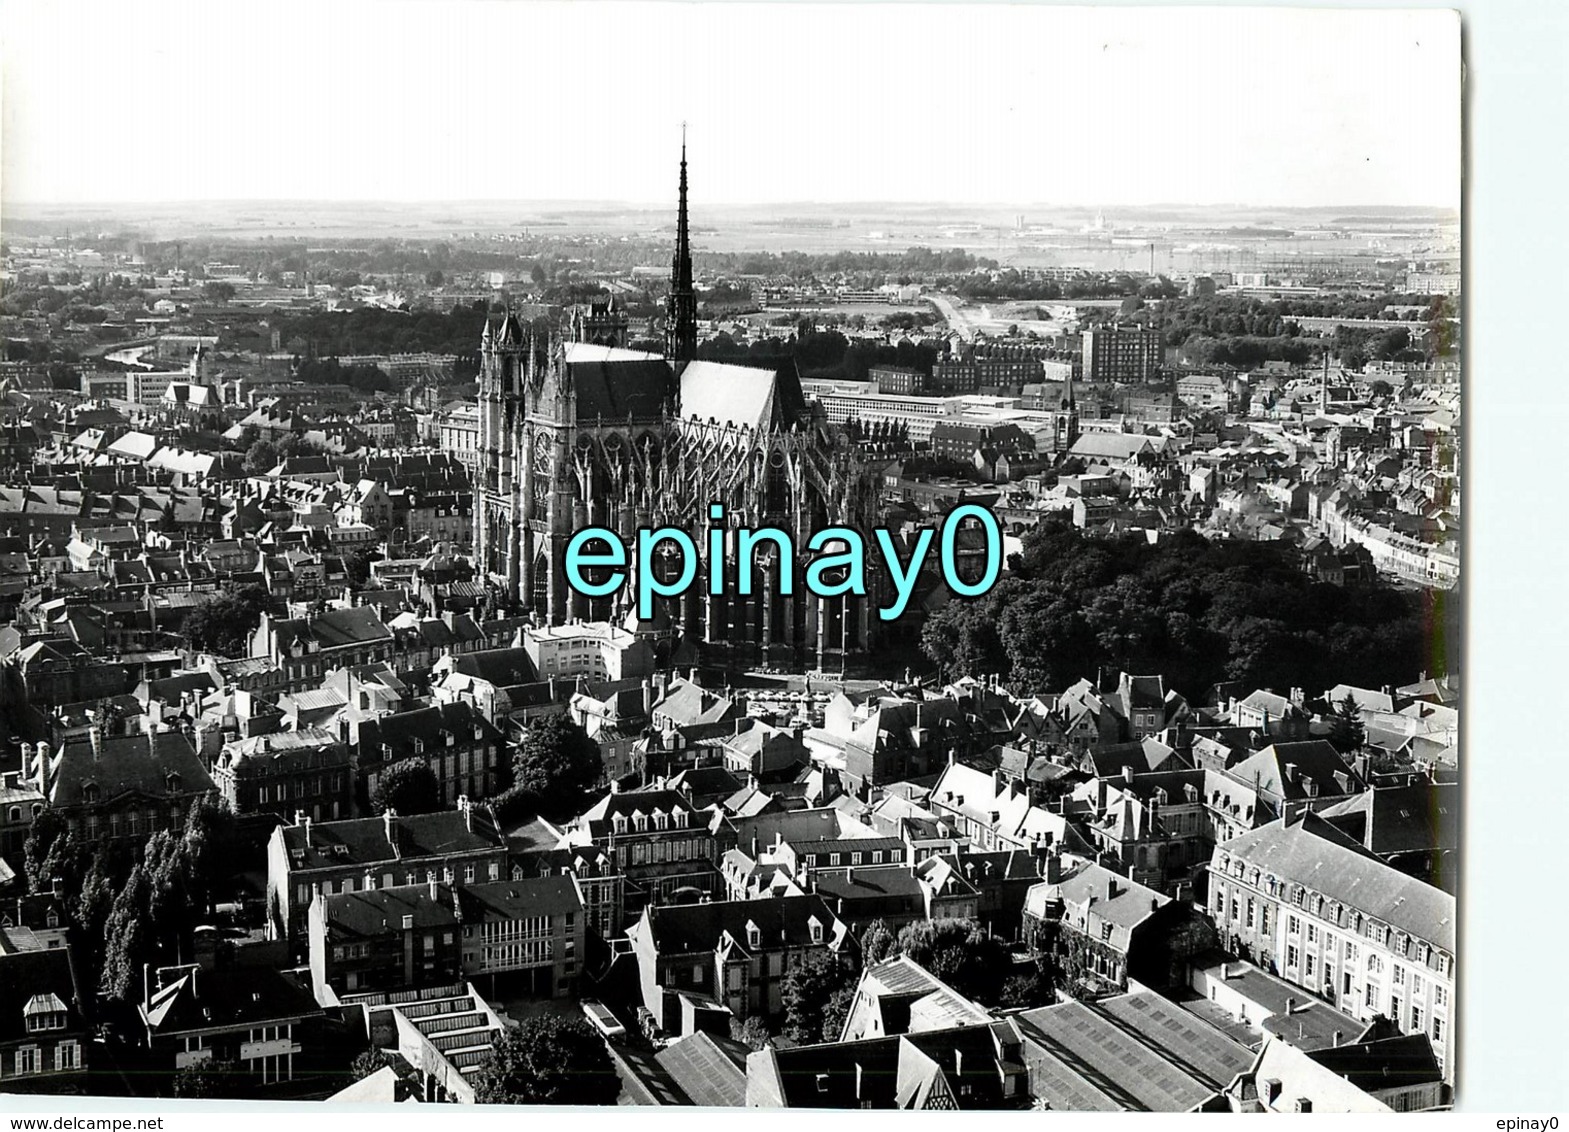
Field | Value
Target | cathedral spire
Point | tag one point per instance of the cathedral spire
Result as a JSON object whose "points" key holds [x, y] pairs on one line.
{"points": [[681, 306]]}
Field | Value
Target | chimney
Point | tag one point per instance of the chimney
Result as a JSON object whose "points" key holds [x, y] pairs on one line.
{"points": [[1225, 971], [96, 734], [1127, 772], [1291, 773], [1336, 1039], [1291, 1004], [1053, 872], [306, 824], [43, 766], [389, 826], [1111, 888], [434, 894]]}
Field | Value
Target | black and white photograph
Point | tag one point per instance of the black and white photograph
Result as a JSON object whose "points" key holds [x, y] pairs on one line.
{"points": [[833, 556]]}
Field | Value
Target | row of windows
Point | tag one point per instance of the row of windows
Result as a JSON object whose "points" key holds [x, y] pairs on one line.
{"points": [[368, 883], [527, 953], [875, 857], [683, 849], [30, 1059], [133, 824], [313, 787], [661, 820], [530, 927], [1342, 916]]}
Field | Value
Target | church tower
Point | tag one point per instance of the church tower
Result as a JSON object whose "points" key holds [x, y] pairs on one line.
{"points": [[681, 306]]}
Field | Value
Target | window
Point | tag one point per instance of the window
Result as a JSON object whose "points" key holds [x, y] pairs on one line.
{"points": [[1307, 967], [1400, 975], [67, 1055], [1250, 912], [1372, 995], [1416, 1019], [468, 873], [27, 1060], [1438, 1029], [1291, 955], [1440, 996], [1293, 925], [1312, 933]]}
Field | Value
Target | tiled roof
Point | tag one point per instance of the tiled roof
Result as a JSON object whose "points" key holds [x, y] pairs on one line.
{"points": [[418, 836], [135, 763], [692, 928], [710, 1070], [1135, 1052]]}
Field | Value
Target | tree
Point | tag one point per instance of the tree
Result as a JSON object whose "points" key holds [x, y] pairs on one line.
{"points": [[217, 292], [961, 953], [127, 942], [210, 1079], [548, 1059], [1346, 730], [557, 763], [367, 1063], [356, 565], [753, 1033], [261, 457], [817, 994], [407, 787], [224, 622], [878, 942], [51, 853], [1035, 987]]}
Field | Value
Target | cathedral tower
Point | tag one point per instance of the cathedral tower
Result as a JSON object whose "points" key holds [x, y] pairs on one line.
{"points": [[681, 306]]}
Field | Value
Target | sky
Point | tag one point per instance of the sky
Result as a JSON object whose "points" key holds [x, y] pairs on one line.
{"points": [[408, 100]]}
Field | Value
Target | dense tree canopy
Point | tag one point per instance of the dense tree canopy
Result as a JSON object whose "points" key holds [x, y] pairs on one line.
{"points": [[557, 764], [548, 1059], [223, 624], [407, 787], [962, 954], [1196, 611], [817, 994]]}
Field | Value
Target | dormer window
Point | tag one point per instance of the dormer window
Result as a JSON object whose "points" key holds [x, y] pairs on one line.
{"points": [[815, 927], [681, 819], [44, 1012], [640, 821], [619, 823], [754, 934], [173, 782], [90, 794]]}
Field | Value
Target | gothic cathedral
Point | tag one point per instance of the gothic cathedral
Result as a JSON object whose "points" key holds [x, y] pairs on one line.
{"points": [[577, 430]]}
